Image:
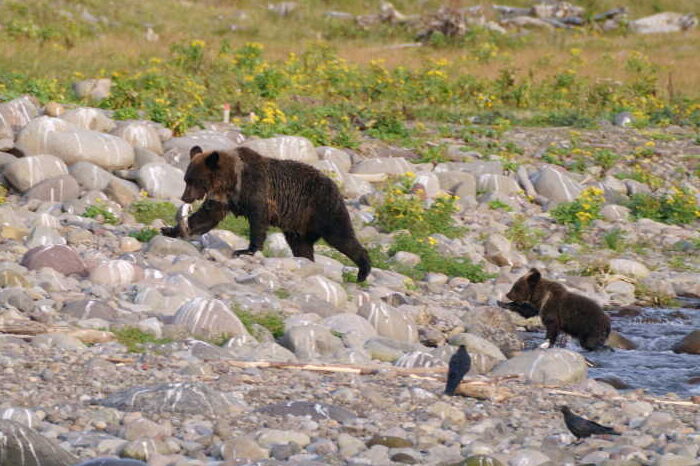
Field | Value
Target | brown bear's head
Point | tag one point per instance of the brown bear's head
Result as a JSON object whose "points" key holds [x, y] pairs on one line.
{"points": [[522, 289], [210, 174]]}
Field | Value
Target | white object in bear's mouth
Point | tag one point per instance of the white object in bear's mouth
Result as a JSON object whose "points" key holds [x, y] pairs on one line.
{"points": [[182, 213]]}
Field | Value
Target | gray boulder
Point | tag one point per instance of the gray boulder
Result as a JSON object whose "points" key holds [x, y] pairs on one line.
{"points": [[140, 134], [27, 172], [390, 322], [16, 113], [89, 176], [181, 398], [23, 446], [309, 342], [500, 184], [33, 138], [61, 258], [209, 318], [161, 180], [285, 148], [177, 150], [94, 89], [162, 245], [105, 150], [553, 366], [554, 184], [388, 165], [89, 118], [58, 189]]}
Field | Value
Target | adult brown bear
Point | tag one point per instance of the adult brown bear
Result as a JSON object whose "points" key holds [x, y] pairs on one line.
{"points": [[293, 196], [562, 310]]}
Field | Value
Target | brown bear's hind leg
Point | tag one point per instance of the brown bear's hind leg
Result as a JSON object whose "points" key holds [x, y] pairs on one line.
{"points": [[552, 327], [348, 245], [301, 246]]}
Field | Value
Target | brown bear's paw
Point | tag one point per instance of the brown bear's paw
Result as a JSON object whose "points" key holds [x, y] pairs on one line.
{"points": [[243, 252], [172, 232]]}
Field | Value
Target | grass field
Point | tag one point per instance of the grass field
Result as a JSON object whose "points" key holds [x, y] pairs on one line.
{"points": [[194, 66]]}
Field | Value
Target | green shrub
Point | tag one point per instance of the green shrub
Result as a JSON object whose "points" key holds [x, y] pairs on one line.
{"points": [[679, 207], [134, 339], [144, 235], [404, 209], [100, 212], [495, 205], [146, 211], [614, 239], [578, 214], [522, 236], [271, 320]]}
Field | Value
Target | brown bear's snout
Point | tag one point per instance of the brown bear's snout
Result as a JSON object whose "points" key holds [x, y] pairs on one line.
{"points": [[192, 194]]}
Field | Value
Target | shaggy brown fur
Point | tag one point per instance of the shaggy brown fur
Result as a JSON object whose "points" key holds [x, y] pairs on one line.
{"points": [[305, 204], [562, 310]]}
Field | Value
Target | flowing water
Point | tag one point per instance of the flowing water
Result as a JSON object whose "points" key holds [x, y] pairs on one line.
{"points": [[653, 366]]}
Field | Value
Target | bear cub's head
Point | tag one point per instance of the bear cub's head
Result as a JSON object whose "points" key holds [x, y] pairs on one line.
{"points": [[202, 175], [522, 290]]}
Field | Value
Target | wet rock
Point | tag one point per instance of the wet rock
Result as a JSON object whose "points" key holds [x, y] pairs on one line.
{"points": [[61, 258], [162, 181], [554, 184], [58, 189], [93, 89], [182, 398], [27, 172], [112, 462], [89, 118], [550, 367], [209, 318], [690, 343], [284, 148], [23, 446], [616, 340], [315, 411]]}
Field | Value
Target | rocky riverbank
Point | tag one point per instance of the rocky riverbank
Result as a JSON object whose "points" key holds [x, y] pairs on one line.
{"points": [[84, 282]]}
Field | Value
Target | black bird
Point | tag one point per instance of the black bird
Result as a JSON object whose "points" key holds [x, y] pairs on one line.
{"points": [[460, 362], [583, 428]]}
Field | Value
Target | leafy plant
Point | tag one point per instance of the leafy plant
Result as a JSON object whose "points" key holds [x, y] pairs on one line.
{"points": [[522, 236], [678, 207], [578, 214], [496, 204], [146, 211], [100, 212], [270, 320], [134, 339], [614, 239], [144, 235]]}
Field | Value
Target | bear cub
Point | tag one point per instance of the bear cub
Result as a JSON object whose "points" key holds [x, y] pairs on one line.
{"points": [[304, 203], [561, 310]]}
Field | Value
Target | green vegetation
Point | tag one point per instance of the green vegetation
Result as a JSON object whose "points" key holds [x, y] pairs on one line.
{"points": [[579, 214], [144, 235], [495, 205], [271, 320], [134, 339], [678, 207], [522, 236], [146, 211], [614, 239], [3, 194], [403, 208], [238, 225], [100, 212]]}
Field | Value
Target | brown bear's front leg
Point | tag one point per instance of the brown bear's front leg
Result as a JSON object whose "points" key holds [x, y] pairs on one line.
{"points": [[552, 326], [206, 218], [257, 219]]}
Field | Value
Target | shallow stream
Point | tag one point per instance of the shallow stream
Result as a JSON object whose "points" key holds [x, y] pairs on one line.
{"points": [[653, 365]]}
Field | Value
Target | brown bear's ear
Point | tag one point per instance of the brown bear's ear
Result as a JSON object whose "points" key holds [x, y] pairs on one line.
{"points": [[195, 150], [212, 161], [533, 276]]}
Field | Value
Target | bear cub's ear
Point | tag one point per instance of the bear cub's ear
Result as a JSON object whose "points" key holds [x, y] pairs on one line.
{"points": [[195, 150], [212, 161], [533, 276]]}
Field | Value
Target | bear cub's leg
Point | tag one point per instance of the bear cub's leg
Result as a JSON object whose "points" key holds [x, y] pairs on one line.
{"points": [[552, 326]]}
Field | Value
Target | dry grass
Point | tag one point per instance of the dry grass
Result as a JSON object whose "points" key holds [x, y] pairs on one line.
{"points": [[120, 45]]}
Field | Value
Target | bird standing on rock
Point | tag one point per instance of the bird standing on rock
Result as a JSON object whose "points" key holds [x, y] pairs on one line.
{"points": [[460, 362], [582, 428]]}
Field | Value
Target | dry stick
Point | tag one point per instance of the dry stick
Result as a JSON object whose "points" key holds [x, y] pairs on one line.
{"points": [[343, 368], [619, 398]]}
